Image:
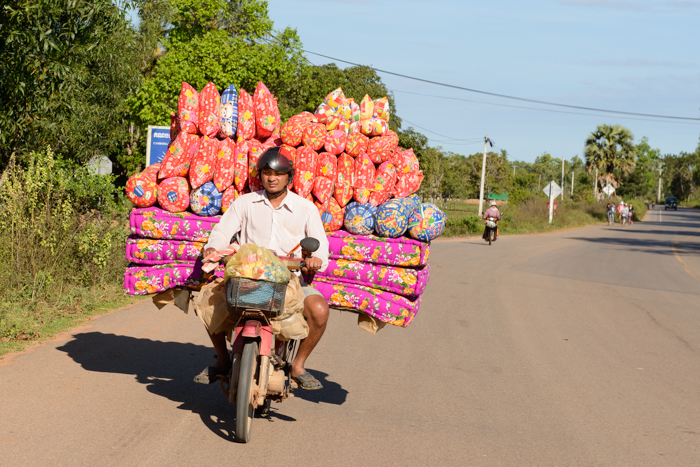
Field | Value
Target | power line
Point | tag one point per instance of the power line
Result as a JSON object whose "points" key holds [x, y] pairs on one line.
{"points": [[435, 133], [505, 96], [532, 108]]}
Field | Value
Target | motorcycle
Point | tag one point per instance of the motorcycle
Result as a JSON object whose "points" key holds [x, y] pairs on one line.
{"points": [[261, 364], [491, 232]]}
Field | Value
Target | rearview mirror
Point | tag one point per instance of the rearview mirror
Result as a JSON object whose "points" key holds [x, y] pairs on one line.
{"points": [[310, 244]]}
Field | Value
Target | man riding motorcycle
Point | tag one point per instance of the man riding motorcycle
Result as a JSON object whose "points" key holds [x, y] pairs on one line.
{"points": [[276, 219], [492, 211]]}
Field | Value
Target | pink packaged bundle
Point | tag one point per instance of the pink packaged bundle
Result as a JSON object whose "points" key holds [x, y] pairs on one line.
{"points": [[335, 142], [188, 109], [246, 116], [240, 168], [364, 178], [265, 111], [204, 162], [225, 163], [345, 179], [177, 159], [209, 117], [305, 171]]}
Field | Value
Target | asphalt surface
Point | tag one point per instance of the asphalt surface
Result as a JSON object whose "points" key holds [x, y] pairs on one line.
{"points": [[579, 348]]}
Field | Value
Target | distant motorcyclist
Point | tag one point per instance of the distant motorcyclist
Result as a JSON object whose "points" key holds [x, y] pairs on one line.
{"points": [[492, 211]]}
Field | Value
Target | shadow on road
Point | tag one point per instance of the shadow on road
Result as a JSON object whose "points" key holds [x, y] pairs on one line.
{"points": [[167, 369], [646, 245]]}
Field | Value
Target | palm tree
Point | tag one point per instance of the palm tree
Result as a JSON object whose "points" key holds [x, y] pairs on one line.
{"points": [[611, 150]]}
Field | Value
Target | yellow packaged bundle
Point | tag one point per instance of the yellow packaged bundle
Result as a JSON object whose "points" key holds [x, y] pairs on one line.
{"points": [[255, 262]]}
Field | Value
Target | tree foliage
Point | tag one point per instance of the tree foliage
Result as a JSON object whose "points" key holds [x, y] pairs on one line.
{"points": [[611, 150]]}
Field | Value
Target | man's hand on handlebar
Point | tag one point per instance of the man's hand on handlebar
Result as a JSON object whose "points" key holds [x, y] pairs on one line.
{"points": [[312, 265]]}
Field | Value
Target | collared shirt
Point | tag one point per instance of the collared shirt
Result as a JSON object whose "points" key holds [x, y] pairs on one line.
{"points": [[279, 229]]}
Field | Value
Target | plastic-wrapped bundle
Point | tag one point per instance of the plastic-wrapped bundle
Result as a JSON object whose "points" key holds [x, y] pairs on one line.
{"points": [[381, 109], [209, 118], [204, 162], [364, 178], [228, 112], [141, 190], [374, 126], [177, 159], [246, 116], [335, 142], [265, 122], [174, 194], [360, 218], [314, 136], [240, 168], [332, 215], [345, 179], [151, 172], [427, 222], [256, 150], [225, 163], [366, 108], [291, 153], [392, 219], [356, 144], [188, 109], [305, 171], [228, 197], [206, 200], [293, 131]]}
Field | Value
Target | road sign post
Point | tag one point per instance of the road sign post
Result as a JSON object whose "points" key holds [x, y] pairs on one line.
{"points": [[156, 143], [552, 190]]}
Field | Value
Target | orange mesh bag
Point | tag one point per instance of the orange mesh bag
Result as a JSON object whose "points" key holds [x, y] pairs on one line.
{"points": [[246, 116], [345, 179], [151, 172], [141, 190], [314, 136], [240, 167], [364, 178], [225, 165], [228, 197], [176, 162], [265, 122], [356, 144], [188, 109], [292, 132], [366, 108], [374, 126], [335, 142], [305, 171], [254, 153], [204, 162], [174, 194], [209, 118], [381, 109], [324, 113]]}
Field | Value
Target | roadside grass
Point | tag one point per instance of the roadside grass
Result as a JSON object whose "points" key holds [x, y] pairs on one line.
{"points": [[22, 325], [530, 216]]}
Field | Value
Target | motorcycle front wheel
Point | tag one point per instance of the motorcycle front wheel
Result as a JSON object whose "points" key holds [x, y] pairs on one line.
{"points": [[244, 397], [491, 236]]}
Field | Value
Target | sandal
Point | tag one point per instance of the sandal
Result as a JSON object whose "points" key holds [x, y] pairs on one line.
{"points": [[210, 375], [306, 381]]}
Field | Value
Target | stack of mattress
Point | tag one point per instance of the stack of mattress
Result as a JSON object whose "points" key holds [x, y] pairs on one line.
{"points": [[382, 277], [165, 250]]}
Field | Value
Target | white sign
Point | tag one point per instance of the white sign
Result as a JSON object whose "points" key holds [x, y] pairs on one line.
{"points": [[100, 165], [608, 190], [552, 186]]}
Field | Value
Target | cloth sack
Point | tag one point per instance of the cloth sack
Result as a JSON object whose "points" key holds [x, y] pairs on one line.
{"points": [[209, 118], [293, 131], [204, 162], [206, 200], [356, 144], [392, 219], [246, 116], [228, 112], [151, 172], [364, 178], [335, 142], [374, 126], [427, 222], [305, 171], [359, 218], [174, 194], [366, 108], [265, 122], [381, 109], [178, 156], [188, 109], [141, 190], [256, 150], [228, 197], [345, 179], [314, 136], [225, 163]]}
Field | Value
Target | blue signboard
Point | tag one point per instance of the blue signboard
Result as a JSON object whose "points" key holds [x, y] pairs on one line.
{"points": [[157, 143]]}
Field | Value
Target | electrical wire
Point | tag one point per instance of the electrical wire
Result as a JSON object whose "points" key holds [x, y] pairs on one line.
{"points": [[533, 108], [444, 136]]}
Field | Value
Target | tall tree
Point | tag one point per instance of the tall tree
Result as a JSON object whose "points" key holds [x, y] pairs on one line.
{"points": [[611, 150]]}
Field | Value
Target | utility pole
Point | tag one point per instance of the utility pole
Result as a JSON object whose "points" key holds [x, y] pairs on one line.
{"points": [[595, 183], [572, 184], [562, 180], [658, 198], [537, 193], [483, 175], [514, 166]]}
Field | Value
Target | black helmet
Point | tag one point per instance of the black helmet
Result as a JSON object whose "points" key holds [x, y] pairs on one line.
{"points": [[278, 159]]}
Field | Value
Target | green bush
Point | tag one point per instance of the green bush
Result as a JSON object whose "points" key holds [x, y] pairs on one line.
{"points": [[63, 241]]}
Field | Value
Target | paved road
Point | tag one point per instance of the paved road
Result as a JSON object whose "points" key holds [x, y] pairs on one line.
{"points": [[580, 348]]}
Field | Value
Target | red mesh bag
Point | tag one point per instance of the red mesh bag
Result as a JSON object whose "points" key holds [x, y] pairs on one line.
{"points": [[314, 136], [323, 189], [209, 118], [228, 197], [292, 132], [225, 165], [141, 190], [151, 172], [305, 171], [240, 167], [174, 194], [188, 109], [366, 108], [364, 178], [246, 116], [204, 162], [254, 153], [265, 111], [356, 144], [176, 162], [345, 179], [335, 141], [292, 151]]}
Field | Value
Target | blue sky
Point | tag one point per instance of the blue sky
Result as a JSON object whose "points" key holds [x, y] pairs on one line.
{"points": [[635, 56]]}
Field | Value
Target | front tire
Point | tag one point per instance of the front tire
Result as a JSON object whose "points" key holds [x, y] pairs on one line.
{"points": [[246, 385], [491, 236]]}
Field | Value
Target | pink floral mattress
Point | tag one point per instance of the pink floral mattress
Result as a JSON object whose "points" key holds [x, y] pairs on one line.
{"points": [[158, 223], [143, 280], [402, 251], [403, 281], [385, 306], [151, 251]]}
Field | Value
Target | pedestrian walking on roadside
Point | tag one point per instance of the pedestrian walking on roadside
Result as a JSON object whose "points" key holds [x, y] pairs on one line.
{"points": [[631, 213]]}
